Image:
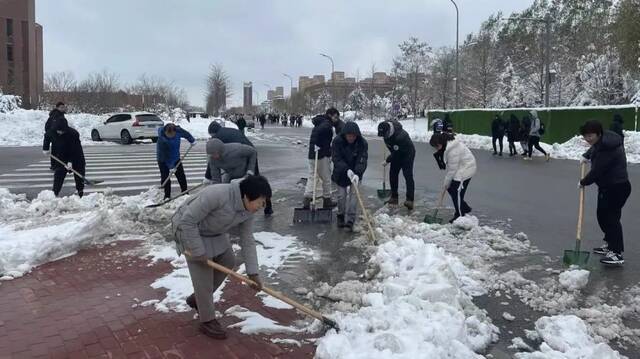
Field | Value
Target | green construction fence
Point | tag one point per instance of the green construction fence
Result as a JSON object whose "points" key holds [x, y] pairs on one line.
{"points": [[561, 123]]}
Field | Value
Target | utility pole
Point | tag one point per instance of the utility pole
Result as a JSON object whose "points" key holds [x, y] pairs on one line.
{"points": [[333, 94], [457, 62]]}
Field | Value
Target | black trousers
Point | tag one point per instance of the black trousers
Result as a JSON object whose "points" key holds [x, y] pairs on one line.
{"points": [[407, 171], [61, 173], [512, 146], [497, 138], [164, 173], [534, 141], [457, 196], [610, 202]]}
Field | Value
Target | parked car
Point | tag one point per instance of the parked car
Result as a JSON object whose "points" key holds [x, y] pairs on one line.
{"points": [[127, 127]]}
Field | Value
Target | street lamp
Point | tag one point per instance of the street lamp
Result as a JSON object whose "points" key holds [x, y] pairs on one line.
{"points": [[457, 68], [332, 71], [547, 51]]}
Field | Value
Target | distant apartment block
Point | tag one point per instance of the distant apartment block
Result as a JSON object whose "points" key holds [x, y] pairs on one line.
{"points": [[341, 86], [247, 97]]}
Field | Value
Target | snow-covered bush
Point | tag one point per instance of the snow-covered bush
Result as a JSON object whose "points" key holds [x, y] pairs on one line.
{"points": [[9, 103]]}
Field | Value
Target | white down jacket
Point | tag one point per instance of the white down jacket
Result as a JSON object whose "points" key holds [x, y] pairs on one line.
{"points": [[461, 164]]}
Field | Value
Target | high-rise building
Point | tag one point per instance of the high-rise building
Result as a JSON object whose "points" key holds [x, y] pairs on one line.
{"points": [[279, 92], [248, 97], [21, 51]]}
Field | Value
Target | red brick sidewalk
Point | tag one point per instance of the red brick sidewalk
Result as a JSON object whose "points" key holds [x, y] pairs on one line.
{"points": [[81, 307]]}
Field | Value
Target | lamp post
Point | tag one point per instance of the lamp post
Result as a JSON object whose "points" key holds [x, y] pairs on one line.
{"points": [[332, 82], [457, 63]]}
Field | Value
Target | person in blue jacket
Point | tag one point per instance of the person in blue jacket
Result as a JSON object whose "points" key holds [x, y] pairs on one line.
{"points": [[168, 155]]}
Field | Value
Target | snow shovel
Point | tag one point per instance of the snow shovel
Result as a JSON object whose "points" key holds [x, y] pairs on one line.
{"points": [[433, 218], [175, 197], [576, 256], [367, 219], [173, 170], [384, 193], [85, 179], [313, 214], [308, 311]]}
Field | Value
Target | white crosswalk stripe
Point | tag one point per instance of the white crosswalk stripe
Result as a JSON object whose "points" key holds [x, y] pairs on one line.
{"points": [[123, 169]]}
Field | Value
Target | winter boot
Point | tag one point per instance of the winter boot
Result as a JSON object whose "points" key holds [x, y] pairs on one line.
{"points": [[612, 258], [495, 153], [409, 205], [191, 301], [268, 209], [328, 203], [547, 157], [456, 216], [393, 201], [465, 208], [340, 220], [213, 329], [349, 226], [500, 154], [306, 203], [603, 249]]}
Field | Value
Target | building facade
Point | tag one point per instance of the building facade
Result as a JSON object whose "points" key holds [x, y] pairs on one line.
{"points": [[247, 103], [21, 69], [339, 86]]}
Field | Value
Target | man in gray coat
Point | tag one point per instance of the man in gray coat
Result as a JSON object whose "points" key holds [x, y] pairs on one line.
{"points": [[228, 161], [201, 226]]}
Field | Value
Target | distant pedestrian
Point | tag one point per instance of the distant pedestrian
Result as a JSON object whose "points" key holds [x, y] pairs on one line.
{"points": [[437, 126], [535, 133], [524, 134], [617, 126], [497, 133], [349, 154], [299, 120], [609, 173], [262, 120], [241, 123], [168, 155], [56, 115], [447, 123], [201, 227], [461, 167], [66, 141], [320, 142], [513, 134], [401, 157]]}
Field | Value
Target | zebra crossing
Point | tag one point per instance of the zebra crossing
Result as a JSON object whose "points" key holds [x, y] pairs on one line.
{"points": [[125, 170]]}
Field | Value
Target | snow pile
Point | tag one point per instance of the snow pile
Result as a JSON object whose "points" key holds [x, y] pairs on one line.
{"points": [[420, 302], [26, 127], [9, 103], [566, 336], [574, 279], [199, 127], [254, 323]]}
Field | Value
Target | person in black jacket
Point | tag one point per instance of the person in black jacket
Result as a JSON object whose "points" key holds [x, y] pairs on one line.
{"points": [[513, 134], [241, 123], [69, 150], [617, 126], [349, 153], [524, 134], [320, 141], [609, 173], [57, 114], [497, 133], [402, 154], [231, 135], [447, 124]]}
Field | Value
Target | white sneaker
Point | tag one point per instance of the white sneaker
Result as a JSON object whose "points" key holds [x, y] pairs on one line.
{"points": [[612, 258]]}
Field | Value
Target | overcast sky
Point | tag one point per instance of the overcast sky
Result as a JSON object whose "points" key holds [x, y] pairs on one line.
{"points": [[254, 40]]}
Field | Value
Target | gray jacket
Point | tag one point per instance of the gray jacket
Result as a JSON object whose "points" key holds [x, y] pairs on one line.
{"points": [[202, 223], [234, 163], [535, 126]]}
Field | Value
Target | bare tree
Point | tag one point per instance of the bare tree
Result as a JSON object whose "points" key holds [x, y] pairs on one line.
{"points": [[442, 74], [218, 89], [61, 81], [410, 69]]}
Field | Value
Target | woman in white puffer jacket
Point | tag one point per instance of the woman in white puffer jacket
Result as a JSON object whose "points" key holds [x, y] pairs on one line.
{"points": [[460, 167]]}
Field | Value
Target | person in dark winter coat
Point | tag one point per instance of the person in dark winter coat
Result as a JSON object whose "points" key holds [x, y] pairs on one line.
{"points": [[56, 115], [231, 135], [402, 154], [447, 123], [338, 126], [617, 126], [497, 133], [320, 141], [524, 134], [609, 173], [66, 140], [241, 123], [349, 154], [262, 120], [168, 155], [513, 134]]}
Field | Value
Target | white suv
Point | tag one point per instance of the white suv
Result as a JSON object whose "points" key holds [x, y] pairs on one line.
{"points": [[128, 126]]}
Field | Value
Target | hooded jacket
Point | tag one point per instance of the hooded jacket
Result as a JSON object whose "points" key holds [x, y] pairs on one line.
{"points": [[228, 135], [608, 162], [348, 156], [617, 125], [201, 225], [321, 136], [513, 129], [399, 143], [497, 127], [461, 164], [534, 131], [168, 149], [56, 117], [234, 162], [338, 126], [67, 144]]}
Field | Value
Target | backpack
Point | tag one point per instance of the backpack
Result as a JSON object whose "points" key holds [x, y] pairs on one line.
{"points": [[542, 129]]}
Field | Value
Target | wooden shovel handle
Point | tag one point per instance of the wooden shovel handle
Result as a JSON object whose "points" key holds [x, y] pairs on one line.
{"points": [[366, 214], [581, 204], [65, 165]]}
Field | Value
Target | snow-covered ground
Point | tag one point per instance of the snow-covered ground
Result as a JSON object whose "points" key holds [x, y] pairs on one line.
{"points": [[573, 149], [25, 127]]}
